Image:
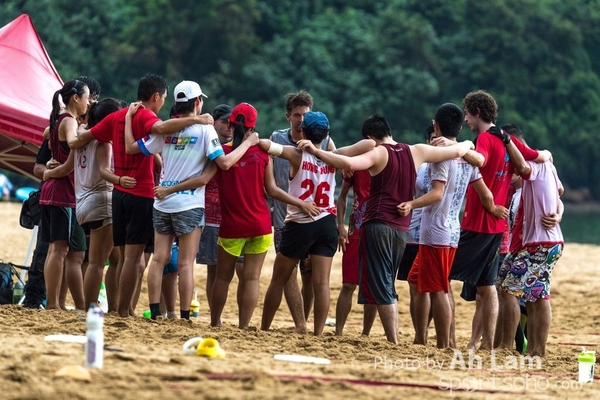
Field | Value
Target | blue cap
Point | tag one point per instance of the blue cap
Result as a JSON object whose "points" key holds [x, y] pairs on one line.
{"points": [[315, 120]]}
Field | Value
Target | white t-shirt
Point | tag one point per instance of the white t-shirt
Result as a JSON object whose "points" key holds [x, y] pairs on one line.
{"points": [[185, 155], [314, 181], [440, 224], [92, 193], [422, 186]]}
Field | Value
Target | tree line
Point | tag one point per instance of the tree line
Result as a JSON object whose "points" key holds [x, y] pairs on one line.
{"points": [[399, 58]]}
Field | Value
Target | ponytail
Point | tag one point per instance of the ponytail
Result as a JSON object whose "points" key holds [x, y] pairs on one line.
{"points": [[239, 131], [74, 86]]}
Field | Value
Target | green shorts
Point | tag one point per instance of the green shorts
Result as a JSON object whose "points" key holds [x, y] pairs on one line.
{"points": [[251, 245]]}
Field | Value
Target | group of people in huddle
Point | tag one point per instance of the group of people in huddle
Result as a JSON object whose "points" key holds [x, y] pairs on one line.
{"points": [[207, 188]]}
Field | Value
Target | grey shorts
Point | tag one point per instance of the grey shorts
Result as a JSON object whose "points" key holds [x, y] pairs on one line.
{"points": [[207, 250], [178, 223]]}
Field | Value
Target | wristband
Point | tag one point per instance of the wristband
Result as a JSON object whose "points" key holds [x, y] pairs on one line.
{"points": [[119, 181], [275, 149]]}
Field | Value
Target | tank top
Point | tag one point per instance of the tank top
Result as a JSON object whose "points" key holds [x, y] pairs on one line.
{"points": [[59, 192], [392, 186], [314, 181], [93, 194], [281, 171]]}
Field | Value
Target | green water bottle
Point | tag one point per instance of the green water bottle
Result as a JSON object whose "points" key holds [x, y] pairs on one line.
{"points": [[18, 292]]}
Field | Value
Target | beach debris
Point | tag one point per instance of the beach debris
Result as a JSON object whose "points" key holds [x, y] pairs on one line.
{"points": [[75, 372]]}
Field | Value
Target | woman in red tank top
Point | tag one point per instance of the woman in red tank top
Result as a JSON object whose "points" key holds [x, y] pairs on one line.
{"points": [[58, 197]]}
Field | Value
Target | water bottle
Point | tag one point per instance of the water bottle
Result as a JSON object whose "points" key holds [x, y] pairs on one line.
{"points": [[18, 292], [94, 346], [195, 306], [102, 299]]}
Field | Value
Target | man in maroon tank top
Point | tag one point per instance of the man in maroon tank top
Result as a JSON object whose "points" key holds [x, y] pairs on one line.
{"points": [[392, 167]]}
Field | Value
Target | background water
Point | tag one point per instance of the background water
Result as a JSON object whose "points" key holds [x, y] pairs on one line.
{"points": [[581, 225]]}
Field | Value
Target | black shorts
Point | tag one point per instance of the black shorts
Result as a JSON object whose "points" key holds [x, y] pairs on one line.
{"points": [[380, 254], [132, 219], [475, 261], [60, 224], [410, 253], [317, 238]]}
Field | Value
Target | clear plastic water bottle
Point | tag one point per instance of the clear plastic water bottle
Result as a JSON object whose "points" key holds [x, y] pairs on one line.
{"points": [[94, 347], [102, 299], [17, 292]]}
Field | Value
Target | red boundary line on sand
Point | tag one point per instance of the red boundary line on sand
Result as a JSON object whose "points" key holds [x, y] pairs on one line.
{"points": [[234, 376]]}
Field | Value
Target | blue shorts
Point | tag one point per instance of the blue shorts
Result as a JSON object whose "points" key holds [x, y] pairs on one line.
{"points": [[172, 265]]}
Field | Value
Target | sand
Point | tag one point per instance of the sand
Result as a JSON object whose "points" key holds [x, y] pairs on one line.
{"points": [[147, 359]]}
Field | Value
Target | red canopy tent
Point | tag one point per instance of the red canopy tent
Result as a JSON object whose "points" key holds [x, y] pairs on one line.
{"points": [[28, 81]]}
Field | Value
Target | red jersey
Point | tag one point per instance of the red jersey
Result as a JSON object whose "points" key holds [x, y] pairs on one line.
{"points": [[496, 172], [59, 192], [360, 181], [392, 186], [244, 209], [138, 166]]}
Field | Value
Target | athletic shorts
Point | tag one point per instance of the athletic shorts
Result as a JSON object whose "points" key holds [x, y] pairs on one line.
{"points": [[410, 252], [172, 265], [251, 245], [207, 250], [305, 265], [350, 260], [178, 223], [431, 268], [60, 224], [132, 219], [381, 249], [88, 227], [469, 291], [529, 272], [318, 238], [475, 261]]}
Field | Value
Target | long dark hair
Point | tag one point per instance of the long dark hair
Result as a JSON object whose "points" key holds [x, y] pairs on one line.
{"points": [[99, 110], [239, 131], [74, 86]]}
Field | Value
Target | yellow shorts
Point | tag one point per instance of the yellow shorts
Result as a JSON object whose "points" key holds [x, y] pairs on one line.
{"points": [[251, 245]]}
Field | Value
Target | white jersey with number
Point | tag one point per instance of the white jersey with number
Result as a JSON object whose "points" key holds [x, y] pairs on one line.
{"points": [[185, 155], [314, 181]]}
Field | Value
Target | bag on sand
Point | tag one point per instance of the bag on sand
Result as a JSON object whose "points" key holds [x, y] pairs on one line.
{"points": [[8, 275]]}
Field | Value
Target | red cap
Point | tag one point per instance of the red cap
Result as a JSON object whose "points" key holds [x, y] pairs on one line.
{"points": [[248, 111]]}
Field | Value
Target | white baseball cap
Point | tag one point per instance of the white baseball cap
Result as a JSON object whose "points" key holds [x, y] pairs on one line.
{"points": [[189, 89]]}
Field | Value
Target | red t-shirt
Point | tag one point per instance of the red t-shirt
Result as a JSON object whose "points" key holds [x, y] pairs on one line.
{"points": [[497, 172], [244, 209], [138, 166]]}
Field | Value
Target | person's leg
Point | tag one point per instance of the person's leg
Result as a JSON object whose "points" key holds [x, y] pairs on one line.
{"points": [[250, 286], [53, 272], [343, 307], [128, 279], [239, 268], [488, 315], [541, 326], [450, 295], [74, 277], [442, 317], [101, 244], [35, 287], [370, 312], [422, 306], [388, 313], [282, 270], [225, 271], [188, 245], [511, 313], [531, 327], [211, 275], [308, 294], [160, 258], [321, 270], [112, 285], [294, 300]]}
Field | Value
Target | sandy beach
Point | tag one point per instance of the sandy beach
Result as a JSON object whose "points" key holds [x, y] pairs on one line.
{"points": [[146, 361]]}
